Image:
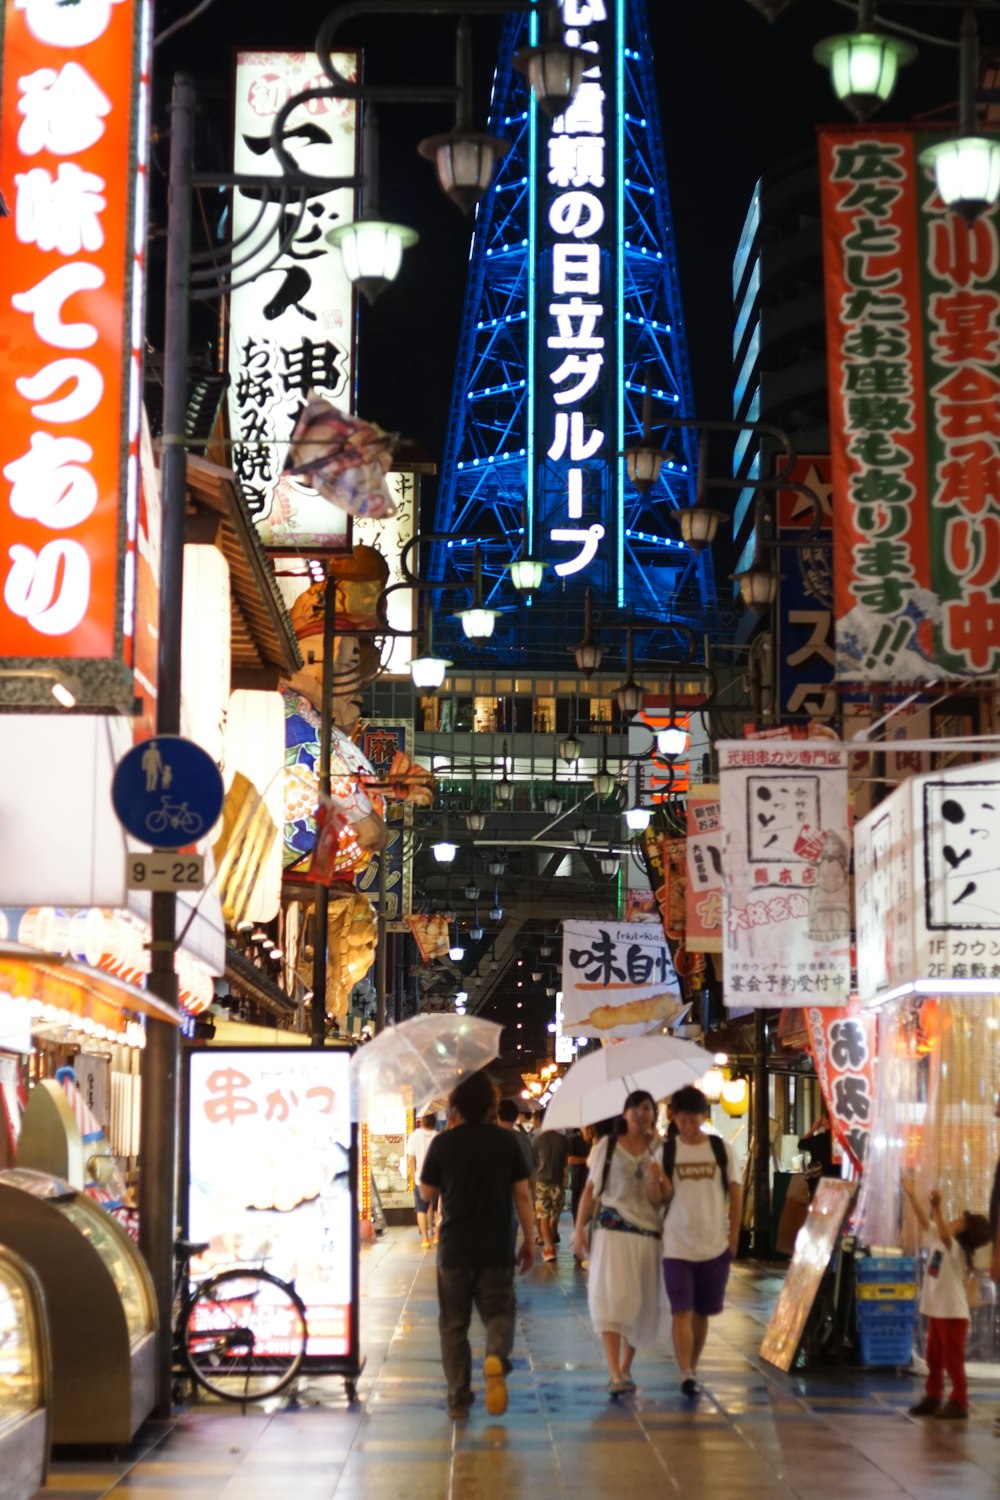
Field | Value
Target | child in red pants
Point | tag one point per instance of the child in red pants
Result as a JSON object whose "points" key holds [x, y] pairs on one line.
{"points": [[944, 1302]]}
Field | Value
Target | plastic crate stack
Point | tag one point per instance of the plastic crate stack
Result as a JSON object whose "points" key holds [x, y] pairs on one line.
{"points": [[887, 1308]]}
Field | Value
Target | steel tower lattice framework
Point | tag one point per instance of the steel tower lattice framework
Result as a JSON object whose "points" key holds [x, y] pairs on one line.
{"points": [[490, 478]]}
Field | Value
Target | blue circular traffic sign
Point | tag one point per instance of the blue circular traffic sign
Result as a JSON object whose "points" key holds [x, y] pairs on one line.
{"points": [[167, 791]]}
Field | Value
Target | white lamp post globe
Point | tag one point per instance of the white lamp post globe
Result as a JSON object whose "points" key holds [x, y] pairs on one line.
{"points": [[444, 852], [428, 672], [372, 251], [638, 819], [478, 622], [671, 741], [966, 173], [863, 67]]}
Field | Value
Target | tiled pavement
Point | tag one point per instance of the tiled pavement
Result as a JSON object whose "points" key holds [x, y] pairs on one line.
{"points": [[754, 1435]]}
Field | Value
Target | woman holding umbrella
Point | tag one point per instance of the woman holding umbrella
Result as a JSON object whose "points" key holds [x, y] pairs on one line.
{"points": [[624, 1284]]}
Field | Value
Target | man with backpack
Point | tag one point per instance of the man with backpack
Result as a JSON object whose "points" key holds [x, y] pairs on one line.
{"points": [[701, 1230]]}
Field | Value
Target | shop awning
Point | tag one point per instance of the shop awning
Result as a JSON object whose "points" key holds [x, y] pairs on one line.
{"points": [[32, 974], [263, 639]]}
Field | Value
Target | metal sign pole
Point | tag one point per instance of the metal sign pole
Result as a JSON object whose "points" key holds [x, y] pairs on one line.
{"points": [[159, 1102]]}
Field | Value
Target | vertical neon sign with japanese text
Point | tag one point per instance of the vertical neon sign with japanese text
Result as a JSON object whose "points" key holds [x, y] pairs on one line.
{"points": [[575, 369], [73, 136]]}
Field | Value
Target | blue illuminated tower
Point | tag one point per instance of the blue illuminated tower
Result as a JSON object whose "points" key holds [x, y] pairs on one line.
{"points": [[572, 304]]}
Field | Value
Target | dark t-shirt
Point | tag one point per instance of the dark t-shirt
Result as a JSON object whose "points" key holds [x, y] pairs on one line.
{"points": [[475, 1168], [995, 1204], [551, 1151]]}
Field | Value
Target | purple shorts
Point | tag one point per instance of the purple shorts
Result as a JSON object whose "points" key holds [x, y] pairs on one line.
{"points": [[697, 1286]]}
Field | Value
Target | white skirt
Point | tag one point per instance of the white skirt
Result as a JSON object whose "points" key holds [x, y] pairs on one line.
{"points": [[625, 1286]]}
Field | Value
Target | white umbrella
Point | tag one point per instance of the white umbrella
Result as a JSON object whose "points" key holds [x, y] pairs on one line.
{"points": [[419, 1059], [596, 1086]]}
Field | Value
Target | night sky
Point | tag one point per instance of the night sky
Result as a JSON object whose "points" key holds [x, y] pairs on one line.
{"points": [[736, 94]]}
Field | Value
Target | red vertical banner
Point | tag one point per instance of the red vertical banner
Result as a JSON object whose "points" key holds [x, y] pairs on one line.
{"points": [[874, 316], [843, 1049], [73, 136]]}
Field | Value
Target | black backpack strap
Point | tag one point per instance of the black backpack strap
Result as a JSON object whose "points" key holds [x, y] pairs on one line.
{"points": [[719, 1151]]}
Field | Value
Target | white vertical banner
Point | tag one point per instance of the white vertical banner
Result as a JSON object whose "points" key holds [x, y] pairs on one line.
{"points": [[927, 864], [786, 884], [291, 328], [618, 979]]}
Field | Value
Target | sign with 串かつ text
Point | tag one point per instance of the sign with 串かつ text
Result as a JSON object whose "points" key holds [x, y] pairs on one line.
{"points": [[618, 979], [786, 889]]}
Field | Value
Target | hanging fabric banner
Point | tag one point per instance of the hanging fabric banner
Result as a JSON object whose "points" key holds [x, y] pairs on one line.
{"points": [[786, 892], [618, 979], [843, 1048], [912, 295], [927, 872], [703, 926], [432, 934]]}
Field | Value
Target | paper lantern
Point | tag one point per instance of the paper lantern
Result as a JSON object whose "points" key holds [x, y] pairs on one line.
{"points": [[735, 1096]]}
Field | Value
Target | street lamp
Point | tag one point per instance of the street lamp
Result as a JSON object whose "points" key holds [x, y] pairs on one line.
{"points": [[464, 158], [630, 695], [497, 864], [475, 822], [609, 862], [444, 852], [582, 835], [863, 63], [603, 781], [587, 653], [638, 818], [526, 573], [758, 587], [554, 69], [504, 787], [699, 522], [570, 749], [427, 672], [372, 251], [670, 742], [471, 892], [966, 167], [477, 621]]}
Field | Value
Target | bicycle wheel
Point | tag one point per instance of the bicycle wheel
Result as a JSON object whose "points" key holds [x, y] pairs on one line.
{"points": [[244, 1335]]}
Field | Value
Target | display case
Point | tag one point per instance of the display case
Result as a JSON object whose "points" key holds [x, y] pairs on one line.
{"points": [[100, 1302], [24, 1379]]}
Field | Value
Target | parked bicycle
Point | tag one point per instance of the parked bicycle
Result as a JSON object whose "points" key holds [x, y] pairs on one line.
{"points": [[240, 1333]]}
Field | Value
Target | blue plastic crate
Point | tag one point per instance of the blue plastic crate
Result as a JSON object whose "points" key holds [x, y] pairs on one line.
{"points": [[885, 1268], [888, 1342], [877, 1314]]}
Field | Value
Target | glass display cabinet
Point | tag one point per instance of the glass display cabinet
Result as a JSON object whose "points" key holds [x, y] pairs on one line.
{"points": [[24, 1379], [100, 1304]]}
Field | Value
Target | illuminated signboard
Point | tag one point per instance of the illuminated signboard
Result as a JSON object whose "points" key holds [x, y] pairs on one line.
{"points": [[292, 327], [574, 340], [270, 1179], [73, 136]]}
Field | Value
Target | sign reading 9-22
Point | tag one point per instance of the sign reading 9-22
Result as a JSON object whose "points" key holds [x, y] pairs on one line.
{"points": [[72, 145]]}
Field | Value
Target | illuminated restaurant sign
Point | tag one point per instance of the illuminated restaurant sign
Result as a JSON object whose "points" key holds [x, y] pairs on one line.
{"points": [[576, 343], [291, 327], [912, 300], [73, 134]]}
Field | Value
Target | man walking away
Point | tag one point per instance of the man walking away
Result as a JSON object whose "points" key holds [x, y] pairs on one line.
{"points": [[551, 1155], [701, 1231], [479, 1171], [416, 1149], [507, 1120]]}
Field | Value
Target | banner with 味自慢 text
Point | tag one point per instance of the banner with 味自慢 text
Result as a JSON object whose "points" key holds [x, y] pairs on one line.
{"points": [[618, 979]]}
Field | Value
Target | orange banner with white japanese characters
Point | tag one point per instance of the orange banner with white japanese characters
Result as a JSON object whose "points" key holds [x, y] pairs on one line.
{"points": [[913, 340], [72, 143]]}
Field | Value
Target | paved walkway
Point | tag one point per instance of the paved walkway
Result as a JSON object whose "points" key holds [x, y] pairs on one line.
{"points": [[755, 1435]]}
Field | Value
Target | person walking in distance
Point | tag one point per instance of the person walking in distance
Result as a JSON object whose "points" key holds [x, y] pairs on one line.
{"points": [[551, 1154], [623, 1285], [416, 1149], [697, 1175], [945, 1304], [507, 1120], [479, 1171]]}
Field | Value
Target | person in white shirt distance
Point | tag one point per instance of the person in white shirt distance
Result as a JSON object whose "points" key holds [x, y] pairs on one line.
{"points": [[416, 1150]]}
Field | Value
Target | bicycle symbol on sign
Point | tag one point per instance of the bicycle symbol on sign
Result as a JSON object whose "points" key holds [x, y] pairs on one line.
{"points": [[173, 815]]}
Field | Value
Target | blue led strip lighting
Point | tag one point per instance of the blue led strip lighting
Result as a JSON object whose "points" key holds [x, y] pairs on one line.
{"points": [[495, 465]]}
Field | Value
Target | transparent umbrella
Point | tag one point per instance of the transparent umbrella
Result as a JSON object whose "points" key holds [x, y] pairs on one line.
{"points": [[418, 1059], [596, 1087]]}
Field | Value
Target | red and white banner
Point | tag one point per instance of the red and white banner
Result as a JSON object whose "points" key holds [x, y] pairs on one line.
{"points": [[843, 1043], [786, 887], [703, 923], [73, 136], [912, 305]]}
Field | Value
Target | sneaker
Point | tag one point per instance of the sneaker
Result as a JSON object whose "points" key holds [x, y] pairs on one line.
{"points": [[548, 1256], [426, 1244], [925, 1407], [496, 1385], [690, 1387], [952, 1412]]}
